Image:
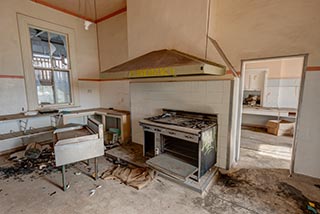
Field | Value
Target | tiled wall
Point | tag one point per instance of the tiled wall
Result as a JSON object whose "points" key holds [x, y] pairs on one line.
{"points": [[282, 93], [147, 99], [289, 93]]}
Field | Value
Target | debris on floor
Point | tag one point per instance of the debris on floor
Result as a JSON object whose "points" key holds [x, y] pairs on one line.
{"points": [[17, 155], [93, 191], [51, 194], [135, 177], [290, 192], [33, 151], [230, 181], [269, 187], [77, 173], [35, 158]]}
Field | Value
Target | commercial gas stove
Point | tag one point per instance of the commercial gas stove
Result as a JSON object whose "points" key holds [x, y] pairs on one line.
{"points": [[181, 144]]}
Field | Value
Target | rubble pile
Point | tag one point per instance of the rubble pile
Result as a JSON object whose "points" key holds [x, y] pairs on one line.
{"points": [[35, 158]]}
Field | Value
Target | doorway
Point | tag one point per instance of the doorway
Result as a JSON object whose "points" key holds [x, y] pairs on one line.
{"points": [[270, 96]]}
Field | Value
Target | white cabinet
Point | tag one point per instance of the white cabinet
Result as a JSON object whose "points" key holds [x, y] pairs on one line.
{"points": [[255, 83], [255, 80]]}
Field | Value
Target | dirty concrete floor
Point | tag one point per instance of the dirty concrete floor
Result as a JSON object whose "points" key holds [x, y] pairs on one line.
{"points": [[44, 195], [262, 191], [262, 150], [254, 186], [244, 191]]}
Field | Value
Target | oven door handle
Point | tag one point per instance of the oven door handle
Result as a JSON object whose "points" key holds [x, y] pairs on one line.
{"points": [[188, 136]]}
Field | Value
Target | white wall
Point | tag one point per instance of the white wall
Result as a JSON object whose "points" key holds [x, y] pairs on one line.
{"points": [[307, 156], [113, 41], [249, 29], [115, 94], [89, 94], [10, 50], [12, 83], [148, 99], [177, 24], [289, 91], [12, 99]]}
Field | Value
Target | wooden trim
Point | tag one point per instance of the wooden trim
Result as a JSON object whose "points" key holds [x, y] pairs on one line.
{"points": [[62, 10], [280, 78], [12, 76], [10, 151], [230, 72], [313, 68], [117, 12], [88, 79], [309, 68]]}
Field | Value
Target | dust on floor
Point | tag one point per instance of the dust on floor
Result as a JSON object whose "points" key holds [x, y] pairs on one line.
{"points": [[244, 191], [261, 191], [262, 150]]}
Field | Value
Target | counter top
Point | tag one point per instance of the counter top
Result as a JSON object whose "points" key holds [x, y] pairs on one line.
{"points": [[21, 116], [264, 111]]}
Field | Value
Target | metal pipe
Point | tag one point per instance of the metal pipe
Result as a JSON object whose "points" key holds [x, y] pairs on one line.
{"points": [[96, 168], [64, 177], [224, 57]]}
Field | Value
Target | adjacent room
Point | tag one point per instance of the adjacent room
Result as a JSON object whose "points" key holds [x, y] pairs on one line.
{"points": [[271, 92], [158, 106]]}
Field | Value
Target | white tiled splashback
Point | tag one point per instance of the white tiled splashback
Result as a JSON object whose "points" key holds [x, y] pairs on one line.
{"points": [[282, 93], [148, 99]]}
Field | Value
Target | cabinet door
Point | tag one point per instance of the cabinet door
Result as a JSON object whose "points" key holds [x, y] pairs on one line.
{"points": [[255, 80]]}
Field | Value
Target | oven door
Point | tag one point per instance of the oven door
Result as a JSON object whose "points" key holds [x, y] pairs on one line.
{"points": [[178, 158], [172, 166]]}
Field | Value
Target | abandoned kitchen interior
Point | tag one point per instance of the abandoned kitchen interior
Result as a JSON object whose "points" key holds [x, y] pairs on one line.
{"points": [[158, 106]]}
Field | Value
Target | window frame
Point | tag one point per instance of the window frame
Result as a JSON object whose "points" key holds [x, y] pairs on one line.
{"points": [[26, 22], [52, 68]]}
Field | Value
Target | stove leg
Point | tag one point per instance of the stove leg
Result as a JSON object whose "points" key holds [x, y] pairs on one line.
{"points": [[64, 177], [96, 168]]}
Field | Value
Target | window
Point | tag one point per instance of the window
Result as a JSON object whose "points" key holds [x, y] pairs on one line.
{"points": [[51, 67], [49, 55]]}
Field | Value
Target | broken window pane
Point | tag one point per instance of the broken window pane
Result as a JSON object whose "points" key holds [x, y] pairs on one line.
{"points": [[51, 66], [58, 50], [40, 48]]}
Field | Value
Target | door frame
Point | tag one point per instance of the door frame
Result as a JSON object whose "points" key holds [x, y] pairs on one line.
{"points": [[241, 86]]}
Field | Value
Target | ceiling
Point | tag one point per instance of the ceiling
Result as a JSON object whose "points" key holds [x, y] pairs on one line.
{"points": [[86, 8]]}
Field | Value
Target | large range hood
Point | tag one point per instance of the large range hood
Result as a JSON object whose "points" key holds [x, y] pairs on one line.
{"points": [[163, 63]]}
